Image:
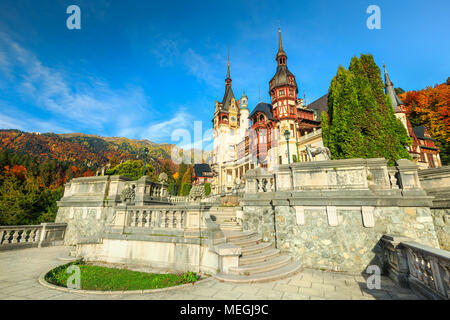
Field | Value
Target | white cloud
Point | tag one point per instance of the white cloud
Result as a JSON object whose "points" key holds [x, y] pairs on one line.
{"points": [[94, 105], [204, 68]]}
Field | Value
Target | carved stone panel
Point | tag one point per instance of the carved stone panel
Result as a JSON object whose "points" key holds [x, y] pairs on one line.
{"points": [[367, 216], [332, 216]]}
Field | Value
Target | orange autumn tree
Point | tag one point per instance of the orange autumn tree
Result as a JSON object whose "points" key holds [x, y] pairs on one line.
{"points": [[431, 107]]}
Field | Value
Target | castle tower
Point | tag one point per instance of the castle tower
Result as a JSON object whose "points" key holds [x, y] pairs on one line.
{"points": [[243, 116], [225, 123], [397, 104], [283, 93]]}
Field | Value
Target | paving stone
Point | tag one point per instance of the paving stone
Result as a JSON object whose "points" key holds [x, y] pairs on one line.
{"points": [[336, 282], [227, 295], [23, 269], [311, 292], [325, 287], [333, 295], [286, 288], [248, 289], [294, 296], [270, 294], [317, 298], [310, 278], [208, 292], [301, 283]]}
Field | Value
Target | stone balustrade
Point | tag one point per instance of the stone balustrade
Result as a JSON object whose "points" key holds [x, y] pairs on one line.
{"points": [[348, 174], [148, 218], [259, 180], [27, 236], [422, 268], [178, 199]]}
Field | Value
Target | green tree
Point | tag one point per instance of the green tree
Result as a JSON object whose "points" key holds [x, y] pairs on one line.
{"points": [[207, 187], [133, 170], [361, 122], [181, 171]]}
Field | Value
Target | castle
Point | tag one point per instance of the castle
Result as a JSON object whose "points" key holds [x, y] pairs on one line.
{"points": [[269, 136], [278, 133]]}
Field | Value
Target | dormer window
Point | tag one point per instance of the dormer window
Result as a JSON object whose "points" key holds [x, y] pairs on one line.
{"points": [[261, 118], [281, 93]]}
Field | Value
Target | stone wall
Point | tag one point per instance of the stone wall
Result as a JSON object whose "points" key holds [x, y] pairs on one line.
{"points": [[326, 225], [436, 182], [89, 203]]}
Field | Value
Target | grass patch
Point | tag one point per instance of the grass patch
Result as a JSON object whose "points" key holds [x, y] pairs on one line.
{"points": [[112, 279]]}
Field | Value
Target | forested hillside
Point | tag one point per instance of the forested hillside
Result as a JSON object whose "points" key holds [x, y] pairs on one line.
{"points": [[34, 168]]}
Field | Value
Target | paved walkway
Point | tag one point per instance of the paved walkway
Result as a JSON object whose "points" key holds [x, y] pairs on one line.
{"points": [[20, 270]]}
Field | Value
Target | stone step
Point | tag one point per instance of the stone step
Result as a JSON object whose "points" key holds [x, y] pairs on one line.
{"points": [[256, 248], [284, 272], [238, 235], [260, 267], [231, 228], [248, 241], [265, 255]]}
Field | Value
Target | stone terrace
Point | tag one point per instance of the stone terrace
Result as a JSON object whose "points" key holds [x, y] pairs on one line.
{"points": [[20, 270]]}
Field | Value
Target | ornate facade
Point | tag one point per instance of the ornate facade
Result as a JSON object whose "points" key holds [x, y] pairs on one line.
{"points": [[240, 145], [423, 149]]}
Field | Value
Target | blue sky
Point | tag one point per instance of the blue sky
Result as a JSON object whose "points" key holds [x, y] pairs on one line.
{"points": [[142, 69]]}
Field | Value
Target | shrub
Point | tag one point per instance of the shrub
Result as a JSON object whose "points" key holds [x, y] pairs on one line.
{"points": [[207, 188]]}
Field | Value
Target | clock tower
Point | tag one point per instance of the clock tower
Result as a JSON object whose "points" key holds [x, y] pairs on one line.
{"points": [[283, 93]]}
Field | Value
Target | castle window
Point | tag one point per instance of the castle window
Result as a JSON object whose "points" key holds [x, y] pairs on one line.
{"points": [[261, 118]]}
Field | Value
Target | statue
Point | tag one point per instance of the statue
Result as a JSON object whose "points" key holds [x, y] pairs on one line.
{"points": [[163, 178], [128, 193], [197, 192], [313, 151]]}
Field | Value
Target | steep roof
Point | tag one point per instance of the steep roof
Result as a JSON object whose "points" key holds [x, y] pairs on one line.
{"points": [[320, 105], [420, 133], [389, 90], [281, 77], [226, 102], [202, 170], [264, 108]]}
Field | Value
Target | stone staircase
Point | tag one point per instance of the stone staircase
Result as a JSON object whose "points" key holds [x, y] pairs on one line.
{"points": [[259, 261], [225, 217]]}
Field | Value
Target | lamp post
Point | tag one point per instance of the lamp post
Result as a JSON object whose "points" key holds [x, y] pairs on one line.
{"points": [[145, 158], [287, 135]]}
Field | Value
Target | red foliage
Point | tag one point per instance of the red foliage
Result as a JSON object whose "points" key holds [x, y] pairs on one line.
{"points": [[88, 173], [17, 171]]}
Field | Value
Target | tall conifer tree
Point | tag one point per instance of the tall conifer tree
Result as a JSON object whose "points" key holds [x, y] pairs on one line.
{"points": [[361, 122]]}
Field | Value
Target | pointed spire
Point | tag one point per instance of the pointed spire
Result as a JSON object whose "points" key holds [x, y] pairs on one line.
{"points": [[280, 42], [389, 89], [387, 81], [228, 79]]}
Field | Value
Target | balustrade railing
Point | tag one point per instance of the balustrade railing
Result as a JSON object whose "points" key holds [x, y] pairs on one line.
{"points": [[424, 269], [161, 218], [12, 237]]}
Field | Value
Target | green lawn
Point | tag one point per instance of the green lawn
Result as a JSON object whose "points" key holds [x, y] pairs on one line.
{"points": [[111, 279]]}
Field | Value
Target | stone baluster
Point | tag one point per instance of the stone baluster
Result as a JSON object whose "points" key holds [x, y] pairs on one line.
{"points": [[38, 234], [163, 219], [26, 236], [154, 218], [132, 218], [15, 238], [146, 219], [33, 235], [180, 219], [137, 223], [3, 236]]}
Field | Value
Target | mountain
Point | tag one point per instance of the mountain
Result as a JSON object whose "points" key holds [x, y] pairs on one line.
{"points": [[79, 148]]}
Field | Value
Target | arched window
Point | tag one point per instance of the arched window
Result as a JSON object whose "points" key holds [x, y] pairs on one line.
{"points": [[261, 118]]}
